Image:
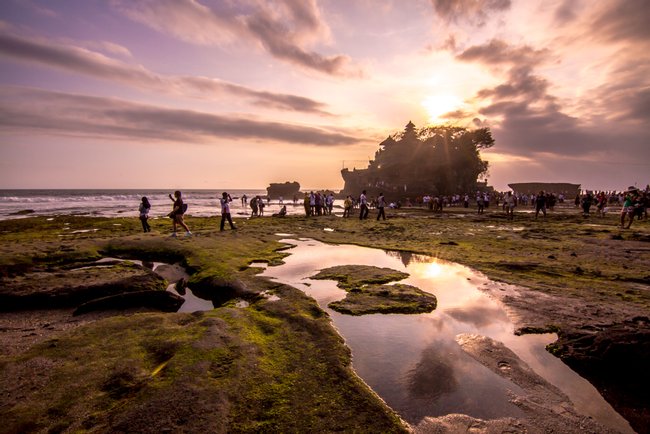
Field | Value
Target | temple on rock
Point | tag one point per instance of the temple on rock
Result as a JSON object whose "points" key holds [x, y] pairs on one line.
{"points": [[433, 160]]}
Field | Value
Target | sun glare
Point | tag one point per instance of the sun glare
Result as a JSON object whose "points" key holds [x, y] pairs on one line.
{"points": [[433, 270], [438, 105]]}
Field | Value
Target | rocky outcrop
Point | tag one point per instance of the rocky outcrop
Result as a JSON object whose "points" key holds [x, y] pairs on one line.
{"points": [[615, 358], [60, 288], [286, 190]]}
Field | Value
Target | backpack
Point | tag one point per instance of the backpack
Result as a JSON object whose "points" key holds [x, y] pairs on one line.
{"points": [[184, 208]]}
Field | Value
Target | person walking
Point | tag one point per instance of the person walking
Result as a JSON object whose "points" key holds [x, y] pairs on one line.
{"points": [[177, 213], [381, 203], [145, 206], [225, 211], [363, 206]]}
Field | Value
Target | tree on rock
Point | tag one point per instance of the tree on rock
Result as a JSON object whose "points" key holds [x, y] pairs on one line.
{"points": [[434, 159]]}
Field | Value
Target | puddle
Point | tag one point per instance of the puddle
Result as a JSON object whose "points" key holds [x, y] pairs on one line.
{"points": [[173, 273], [259, 264], [328, 229], [413, 361], [284, 235]]}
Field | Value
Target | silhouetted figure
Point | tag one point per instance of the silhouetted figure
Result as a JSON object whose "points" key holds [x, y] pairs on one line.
{"points": [[363, 206], [177, 213], [145, 206], [225, 211], [381, 203]]}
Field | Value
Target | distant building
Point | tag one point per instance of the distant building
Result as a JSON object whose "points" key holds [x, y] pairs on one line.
{"points": [[565, 188]]}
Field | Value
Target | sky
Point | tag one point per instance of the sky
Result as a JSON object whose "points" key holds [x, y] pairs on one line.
{"points": [[241, 93]]}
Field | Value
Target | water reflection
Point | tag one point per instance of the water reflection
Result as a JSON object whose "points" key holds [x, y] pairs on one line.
{"points": [[413, 361], [433, 375]]}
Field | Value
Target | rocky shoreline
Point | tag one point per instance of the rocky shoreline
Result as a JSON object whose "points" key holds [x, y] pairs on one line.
{"points": [[600, 315]]}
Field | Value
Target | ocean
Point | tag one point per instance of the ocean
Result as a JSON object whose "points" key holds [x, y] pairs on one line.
{"points": [[125, 203]]}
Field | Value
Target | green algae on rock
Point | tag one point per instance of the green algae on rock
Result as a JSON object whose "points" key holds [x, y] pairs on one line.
{"points": [[367, 292], [396, 298], [352, 277]]}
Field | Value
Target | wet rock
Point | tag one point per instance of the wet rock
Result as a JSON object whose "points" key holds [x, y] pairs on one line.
{"points": [[181, 286], [615, 358], [396, 298], [546, 408], [356, 276], [164, 301], [220, 291], [23, 212], [68, 288]]}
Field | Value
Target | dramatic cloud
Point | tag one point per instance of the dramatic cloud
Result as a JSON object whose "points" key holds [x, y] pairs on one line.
{"points": [[283, 27], [623, 21], [475, 12], [529, 120], [97, 65], [28, 110], [499, 52], [566, 12]]}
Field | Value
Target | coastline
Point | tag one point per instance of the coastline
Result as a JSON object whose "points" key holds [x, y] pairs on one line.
{"points": [[518, 253]]}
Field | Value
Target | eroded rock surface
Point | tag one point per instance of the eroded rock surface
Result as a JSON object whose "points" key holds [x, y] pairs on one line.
{"points": [[547, 409], [368, 293]]}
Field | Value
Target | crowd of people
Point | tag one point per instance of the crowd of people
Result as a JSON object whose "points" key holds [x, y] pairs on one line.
{"points": [[632, 203]]}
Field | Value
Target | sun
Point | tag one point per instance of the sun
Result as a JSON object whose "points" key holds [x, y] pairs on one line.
{"points": [[438, 105]]}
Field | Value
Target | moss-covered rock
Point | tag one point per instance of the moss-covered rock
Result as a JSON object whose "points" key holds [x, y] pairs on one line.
{"points": [[396, 298], [354, 277], [366, 294], [61, 287]]}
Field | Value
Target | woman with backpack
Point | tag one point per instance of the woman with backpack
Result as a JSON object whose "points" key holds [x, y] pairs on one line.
{"points": [[177, 213]]}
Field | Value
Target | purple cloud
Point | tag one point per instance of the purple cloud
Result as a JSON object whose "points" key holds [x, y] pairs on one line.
{"points": [[30, 111], [473, 11], [83, 61], [283, 28]]}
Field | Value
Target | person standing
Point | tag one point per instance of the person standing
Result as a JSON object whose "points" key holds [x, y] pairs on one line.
{"points": [[254, 207], [225, 211], [145, 206], [480, 202], [260, 205], [305, 203], [177, 213], [587, 201], [363, 206], [381, 203], [329, 201], [347, 206], [628, 207], [510, 202], [540, 204], [312, 204]]}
